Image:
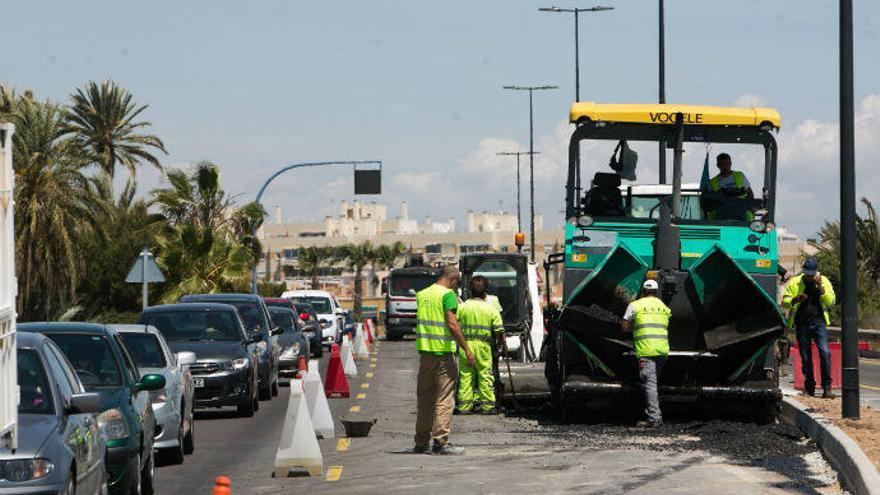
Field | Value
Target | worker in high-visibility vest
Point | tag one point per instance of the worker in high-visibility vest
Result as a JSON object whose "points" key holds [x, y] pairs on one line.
{"points": [[731, 183], [648, 320], [480, 322], [437, 332]]}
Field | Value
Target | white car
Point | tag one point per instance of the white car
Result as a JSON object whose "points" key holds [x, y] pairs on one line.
{"points": [[172, 405], [330, 314]]}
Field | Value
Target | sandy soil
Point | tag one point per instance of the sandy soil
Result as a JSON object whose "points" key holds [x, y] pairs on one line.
{"points": [[865, 431]]}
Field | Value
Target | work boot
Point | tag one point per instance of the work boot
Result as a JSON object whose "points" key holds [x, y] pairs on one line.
{"points": [[650, 424], [421, 449], [462, 412], [810, 393], [447, 449], [489, 412], [828, 394]]}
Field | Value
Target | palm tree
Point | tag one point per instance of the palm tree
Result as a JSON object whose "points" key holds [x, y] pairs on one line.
{"points": [[103, 121], [314, 258], [356, 257], [194, 198], [54, 206]]}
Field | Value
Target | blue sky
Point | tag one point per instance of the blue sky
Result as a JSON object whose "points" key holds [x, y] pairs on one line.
{"points": [[256, 85]]}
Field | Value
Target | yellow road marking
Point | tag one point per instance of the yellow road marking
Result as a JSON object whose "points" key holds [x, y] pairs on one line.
{"points": [[365, 385], [373, 360], [342, 444], [869, 387], [369, 374], [362, 395], [373, 365], [355, 409], [334, 473]]}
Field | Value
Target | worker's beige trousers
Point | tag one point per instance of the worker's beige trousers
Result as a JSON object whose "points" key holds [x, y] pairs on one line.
{"points": [[435, 391]]}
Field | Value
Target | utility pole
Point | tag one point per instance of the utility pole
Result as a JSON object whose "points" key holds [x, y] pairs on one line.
{"points": [[576, 12], [662, 80], [531, 90], [849, 301], [517, 154]]}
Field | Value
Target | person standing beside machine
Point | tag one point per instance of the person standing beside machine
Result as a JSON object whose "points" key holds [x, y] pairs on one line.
{"points": [[480, 322], [807, 298], [648, 319]]}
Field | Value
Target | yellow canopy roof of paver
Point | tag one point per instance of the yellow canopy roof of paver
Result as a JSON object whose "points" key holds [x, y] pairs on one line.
{"points": [[665, 114]]}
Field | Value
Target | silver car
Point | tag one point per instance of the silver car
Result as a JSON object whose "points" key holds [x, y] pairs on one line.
{"points": [[173, 405]]}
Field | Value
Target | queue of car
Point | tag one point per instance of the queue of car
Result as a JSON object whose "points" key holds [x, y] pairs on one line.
{"points": [[101, 404]]}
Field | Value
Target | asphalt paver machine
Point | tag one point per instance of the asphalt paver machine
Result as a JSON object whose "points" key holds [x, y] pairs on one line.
{"points": [[714, 257]]}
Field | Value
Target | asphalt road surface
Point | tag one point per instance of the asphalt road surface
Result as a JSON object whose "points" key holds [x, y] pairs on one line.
{"points": [[526, 453], [869, 377]]}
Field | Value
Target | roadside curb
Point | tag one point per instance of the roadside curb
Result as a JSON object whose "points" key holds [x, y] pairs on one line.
{"points": [[856, 470]]}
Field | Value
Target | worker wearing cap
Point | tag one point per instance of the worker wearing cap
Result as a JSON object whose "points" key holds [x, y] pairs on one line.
{"points": [[437, 332], [648, 319], [480, 322], [808, 297], [731, 183]]}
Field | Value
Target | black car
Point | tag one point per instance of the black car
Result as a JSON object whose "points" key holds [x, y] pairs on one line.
{"points": [[227, 357], [127, 422], [60, 448], [312, 327], [255, 316], [293, 343]]}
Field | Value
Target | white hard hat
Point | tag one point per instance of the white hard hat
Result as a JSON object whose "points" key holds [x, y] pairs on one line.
{"points": [[650, 284]]}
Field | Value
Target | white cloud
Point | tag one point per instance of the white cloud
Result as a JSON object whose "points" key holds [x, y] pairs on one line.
{"points": [[749, 100]]}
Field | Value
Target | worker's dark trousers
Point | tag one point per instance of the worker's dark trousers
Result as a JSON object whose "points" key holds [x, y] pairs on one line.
{"points": [[650, 369], [807, 334]]}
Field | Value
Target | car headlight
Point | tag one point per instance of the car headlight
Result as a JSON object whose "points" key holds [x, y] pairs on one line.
{"points": [[290, 352], [236, 364], [158, 396], [113, 425], [25, 469]]}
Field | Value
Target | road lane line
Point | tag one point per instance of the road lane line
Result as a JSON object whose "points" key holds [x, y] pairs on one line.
{"points": [[369, 374], [373, 360], [334, 473], [373, 365], [869, 387], [355, 409], [342, 444], [362, 395], [365, 385]]}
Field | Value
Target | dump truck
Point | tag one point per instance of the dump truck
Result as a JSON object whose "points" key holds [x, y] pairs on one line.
{"points": [[8, 364], [714, 256], [400, 288]]}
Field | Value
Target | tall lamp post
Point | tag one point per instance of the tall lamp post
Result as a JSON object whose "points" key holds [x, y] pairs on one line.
{"points": [[661, 44], [531, 90], [849, 300], [292, 167], [577, 70], [517, 154]]}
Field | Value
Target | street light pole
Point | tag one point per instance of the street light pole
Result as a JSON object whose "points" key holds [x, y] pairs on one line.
{"points": [[517, 154], [576, 12], [292, 167], [849, 301], [662, 80], [531, 90]]}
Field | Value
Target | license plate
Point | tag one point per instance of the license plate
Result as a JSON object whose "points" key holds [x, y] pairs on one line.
{"points": [[198, 382]]}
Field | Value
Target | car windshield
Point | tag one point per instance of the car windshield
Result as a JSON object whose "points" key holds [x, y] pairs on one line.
{"points": [[282, 317], [646, 207], [321, 305], [91, 357], [194, 325], [408, 285], [144, 349], [34, 393], [249, 312]]}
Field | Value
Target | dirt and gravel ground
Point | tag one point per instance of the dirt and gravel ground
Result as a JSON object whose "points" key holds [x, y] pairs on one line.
{"points": [[865, 431]]}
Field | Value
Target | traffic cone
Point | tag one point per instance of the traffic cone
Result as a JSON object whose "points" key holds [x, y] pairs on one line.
{"points": [[301, 369], [335, 383], [369, 326], [319, 409], [222, 486], [360, 347], [348, 358], [298, 448]]}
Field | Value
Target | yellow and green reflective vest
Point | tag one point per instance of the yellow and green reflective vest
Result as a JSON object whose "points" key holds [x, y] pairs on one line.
{"points": [[650, 326], [432, 336], [739, 180], [479, 320]]}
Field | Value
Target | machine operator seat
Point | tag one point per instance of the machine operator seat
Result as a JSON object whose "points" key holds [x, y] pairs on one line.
{"points": [[604, 198]]}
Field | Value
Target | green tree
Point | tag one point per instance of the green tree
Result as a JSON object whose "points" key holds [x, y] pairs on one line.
{"points": [[311, 260], [356, 257], [104, 121], [54, 206]]}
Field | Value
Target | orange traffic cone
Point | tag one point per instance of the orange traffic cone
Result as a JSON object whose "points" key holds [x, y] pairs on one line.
{"points": [[335, 383], [302, 368], [369, 326], [222, 486]]}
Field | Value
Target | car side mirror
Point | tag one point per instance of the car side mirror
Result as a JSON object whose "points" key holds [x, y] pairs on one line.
{"points": [[85, 403], [186, 358], [276, 331], [254, 337], [150, 382]]}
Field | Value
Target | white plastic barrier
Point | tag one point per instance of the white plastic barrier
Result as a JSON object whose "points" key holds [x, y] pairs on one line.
{"points": [[298, 448]]}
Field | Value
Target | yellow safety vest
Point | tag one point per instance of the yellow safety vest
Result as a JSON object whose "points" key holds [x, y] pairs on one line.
{"points": [[431, 333], [797, 287], [479, 320], [739, 180], [650, 327]]}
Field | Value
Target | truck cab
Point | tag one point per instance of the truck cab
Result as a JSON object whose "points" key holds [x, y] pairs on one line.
{"points": [[401, 287]]}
